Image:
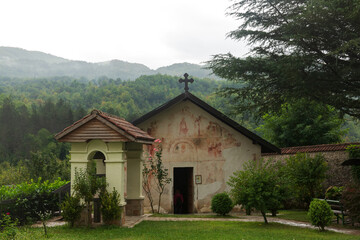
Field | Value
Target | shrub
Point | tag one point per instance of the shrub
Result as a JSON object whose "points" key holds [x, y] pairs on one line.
{"points": [[307, 175], [334, 193], [110, 206], [351, 201], [27, 199], [320, 213], [8, 228], [221, 204], [71, 209]]}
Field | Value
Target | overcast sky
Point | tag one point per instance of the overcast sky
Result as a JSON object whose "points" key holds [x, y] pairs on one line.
{"points": [[152, 32]]}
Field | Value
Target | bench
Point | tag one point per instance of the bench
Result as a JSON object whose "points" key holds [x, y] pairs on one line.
{"points": [[338, 209]]}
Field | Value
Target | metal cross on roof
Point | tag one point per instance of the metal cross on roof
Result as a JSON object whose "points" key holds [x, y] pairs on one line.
{"points": [[186, 81]]}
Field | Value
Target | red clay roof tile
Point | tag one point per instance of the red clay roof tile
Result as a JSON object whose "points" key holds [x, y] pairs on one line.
{"points": [[315, 148]]}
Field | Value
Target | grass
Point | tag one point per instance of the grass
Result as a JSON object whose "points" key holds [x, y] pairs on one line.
{"points": [[191, 216], [187, 230], [297, 215]]}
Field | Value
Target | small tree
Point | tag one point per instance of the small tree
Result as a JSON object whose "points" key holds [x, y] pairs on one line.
{"points": [[71, 209], [110, 206], [154, 170], [257, 187], [86, 185], [307, 174], [320, 213]]}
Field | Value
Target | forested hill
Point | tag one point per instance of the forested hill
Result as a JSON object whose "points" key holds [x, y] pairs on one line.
{"points": [[31, 110], [16, 62]]}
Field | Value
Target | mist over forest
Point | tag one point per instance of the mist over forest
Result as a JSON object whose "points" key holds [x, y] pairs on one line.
{"points": [[36, 103]]}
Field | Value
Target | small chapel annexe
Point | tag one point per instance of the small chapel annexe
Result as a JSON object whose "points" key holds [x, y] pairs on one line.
{"points": [[117, 147]]}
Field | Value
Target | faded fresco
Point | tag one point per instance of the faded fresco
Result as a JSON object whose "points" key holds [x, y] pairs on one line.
{"points": [[191, 137]]}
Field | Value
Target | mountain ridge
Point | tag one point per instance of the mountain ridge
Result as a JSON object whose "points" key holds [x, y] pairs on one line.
{"points": [[21, 63]]}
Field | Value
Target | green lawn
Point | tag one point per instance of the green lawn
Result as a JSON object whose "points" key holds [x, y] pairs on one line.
{"points": [[191, 216], [297, 215], [187, 230]]}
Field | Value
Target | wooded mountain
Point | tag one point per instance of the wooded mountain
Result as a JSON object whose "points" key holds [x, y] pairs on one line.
{"points": [[20, 63]]}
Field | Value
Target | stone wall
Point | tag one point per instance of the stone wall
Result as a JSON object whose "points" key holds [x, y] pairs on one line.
{"points": [[337, 175]]}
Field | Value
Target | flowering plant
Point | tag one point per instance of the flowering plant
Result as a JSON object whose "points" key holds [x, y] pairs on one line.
{"points": [[154, 171]]}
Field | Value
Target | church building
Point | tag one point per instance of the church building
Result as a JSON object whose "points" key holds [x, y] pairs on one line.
{"points": [[201, 149]]}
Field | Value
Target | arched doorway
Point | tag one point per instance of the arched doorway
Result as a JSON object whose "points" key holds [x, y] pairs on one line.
{"points": [[99, 159]]}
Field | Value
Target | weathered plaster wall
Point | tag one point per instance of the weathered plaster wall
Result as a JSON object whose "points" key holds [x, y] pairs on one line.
{"points": [[191, 137], [337, 175]]}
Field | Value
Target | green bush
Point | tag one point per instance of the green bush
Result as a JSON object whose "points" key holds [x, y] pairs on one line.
{"points": [[320, 213], [351, 201], [8, 228], [307, 175], [110, 206], [221, 204], [334, 193], [23, 201], [71, 209]]}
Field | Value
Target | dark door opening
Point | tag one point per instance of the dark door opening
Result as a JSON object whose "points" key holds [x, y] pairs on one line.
{"points": [[183, 183]]}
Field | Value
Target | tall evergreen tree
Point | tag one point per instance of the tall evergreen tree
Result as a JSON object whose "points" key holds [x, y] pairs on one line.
{"points": [[301, 49]]}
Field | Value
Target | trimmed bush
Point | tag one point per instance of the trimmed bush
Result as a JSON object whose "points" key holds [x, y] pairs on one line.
{"points": [[221, 204], [320, 213], [24, 201], [110, 206], [71, 209]]}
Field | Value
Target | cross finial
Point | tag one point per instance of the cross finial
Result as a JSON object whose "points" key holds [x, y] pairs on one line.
{"points": [[186, 81]]}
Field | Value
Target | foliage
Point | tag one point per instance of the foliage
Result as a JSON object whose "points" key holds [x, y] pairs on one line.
{"points": [[307, 174], [86, 184], [334, 193], [10, 174], [221, 204], [320, 213], [257, 186], [110, 206], [302, 123], [154, 171], [301, 49], [351, 202], [71, 209], [30, 188], [354, 152], [24, 201], [8, 228]]}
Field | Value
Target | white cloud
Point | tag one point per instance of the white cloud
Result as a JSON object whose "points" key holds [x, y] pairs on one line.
{"points": [[154, 33]]}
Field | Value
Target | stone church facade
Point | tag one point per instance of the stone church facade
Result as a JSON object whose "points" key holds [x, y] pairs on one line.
{"points": [[201, 149]]}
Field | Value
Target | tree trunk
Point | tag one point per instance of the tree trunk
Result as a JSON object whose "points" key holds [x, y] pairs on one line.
{"points": [[264, 215], [159, 202], [273, 212], [89, 214]]}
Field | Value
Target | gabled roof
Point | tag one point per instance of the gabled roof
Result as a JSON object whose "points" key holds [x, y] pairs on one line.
{"points": [[125, 130], [266, 147], [316, 148]]}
